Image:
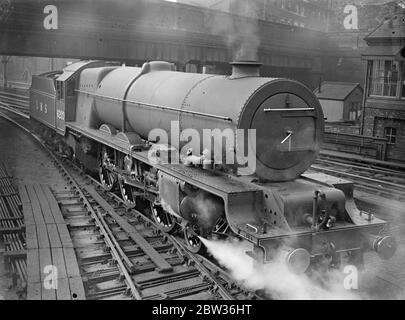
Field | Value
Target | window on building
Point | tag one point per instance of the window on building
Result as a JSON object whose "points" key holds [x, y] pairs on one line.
{"points": [[384, 78], [391, 134], [354, 111]]}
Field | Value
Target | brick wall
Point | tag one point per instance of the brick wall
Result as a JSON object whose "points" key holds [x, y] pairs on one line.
{"points": [[375, 122], [342, 127], [355, 97]]}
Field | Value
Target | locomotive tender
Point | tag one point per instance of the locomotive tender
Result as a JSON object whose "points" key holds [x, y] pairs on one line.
{"points": [[102, 114]]}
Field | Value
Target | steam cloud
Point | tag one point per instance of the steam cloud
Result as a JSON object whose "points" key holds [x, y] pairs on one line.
{"points": [[275, 278], [240, 30], [384, 277], [168, 208]]}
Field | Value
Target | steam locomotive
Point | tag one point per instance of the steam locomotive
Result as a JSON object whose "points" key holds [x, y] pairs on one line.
{"points": [[113, 119]]}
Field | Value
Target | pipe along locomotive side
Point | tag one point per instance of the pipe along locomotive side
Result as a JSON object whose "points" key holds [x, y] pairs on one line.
{"points": [[128, 123]]}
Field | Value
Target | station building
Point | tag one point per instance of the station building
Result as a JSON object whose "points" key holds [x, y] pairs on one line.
{"points": [[340, 101], [384, 99]]}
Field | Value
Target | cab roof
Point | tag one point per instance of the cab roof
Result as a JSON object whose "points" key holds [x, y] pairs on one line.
{"points": [[74, 68]]}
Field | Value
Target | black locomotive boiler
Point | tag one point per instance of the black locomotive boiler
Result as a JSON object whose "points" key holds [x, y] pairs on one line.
{"points": [[103, 114]]}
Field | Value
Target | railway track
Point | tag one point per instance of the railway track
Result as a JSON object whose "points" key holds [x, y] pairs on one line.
{"points": [[19, 102], [123, 254], [385, 182], [11, 221], [385, 173], [361, 160], [150, 263]]}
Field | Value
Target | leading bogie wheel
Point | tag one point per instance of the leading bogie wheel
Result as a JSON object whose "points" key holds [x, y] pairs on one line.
{"points": [[192, 234]]}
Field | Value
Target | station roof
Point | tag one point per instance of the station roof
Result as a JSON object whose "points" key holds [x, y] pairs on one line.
{"points": [[336, 90], [388, 39], [392, 28]]}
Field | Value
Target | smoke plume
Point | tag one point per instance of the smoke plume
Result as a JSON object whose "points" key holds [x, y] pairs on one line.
{"points": [[275, 278], [240, 30]]}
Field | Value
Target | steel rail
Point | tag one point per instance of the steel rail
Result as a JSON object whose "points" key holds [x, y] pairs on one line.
{"points": [[218, 286], [127, 261], [136, 294], [373, 162], [15, 95], [7, 107], [356, 166], [400, 188], [179, 246], [14, 102], [224, 293], [113, 245]]}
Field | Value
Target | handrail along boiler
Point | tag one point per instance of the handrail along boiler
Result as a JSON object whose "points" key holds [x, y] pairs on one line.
{"points": [[102, 114]]}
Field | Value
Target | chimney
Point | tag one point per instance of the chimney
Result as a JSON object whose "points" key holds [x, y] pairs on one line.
{"points": [[243, 69]]}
